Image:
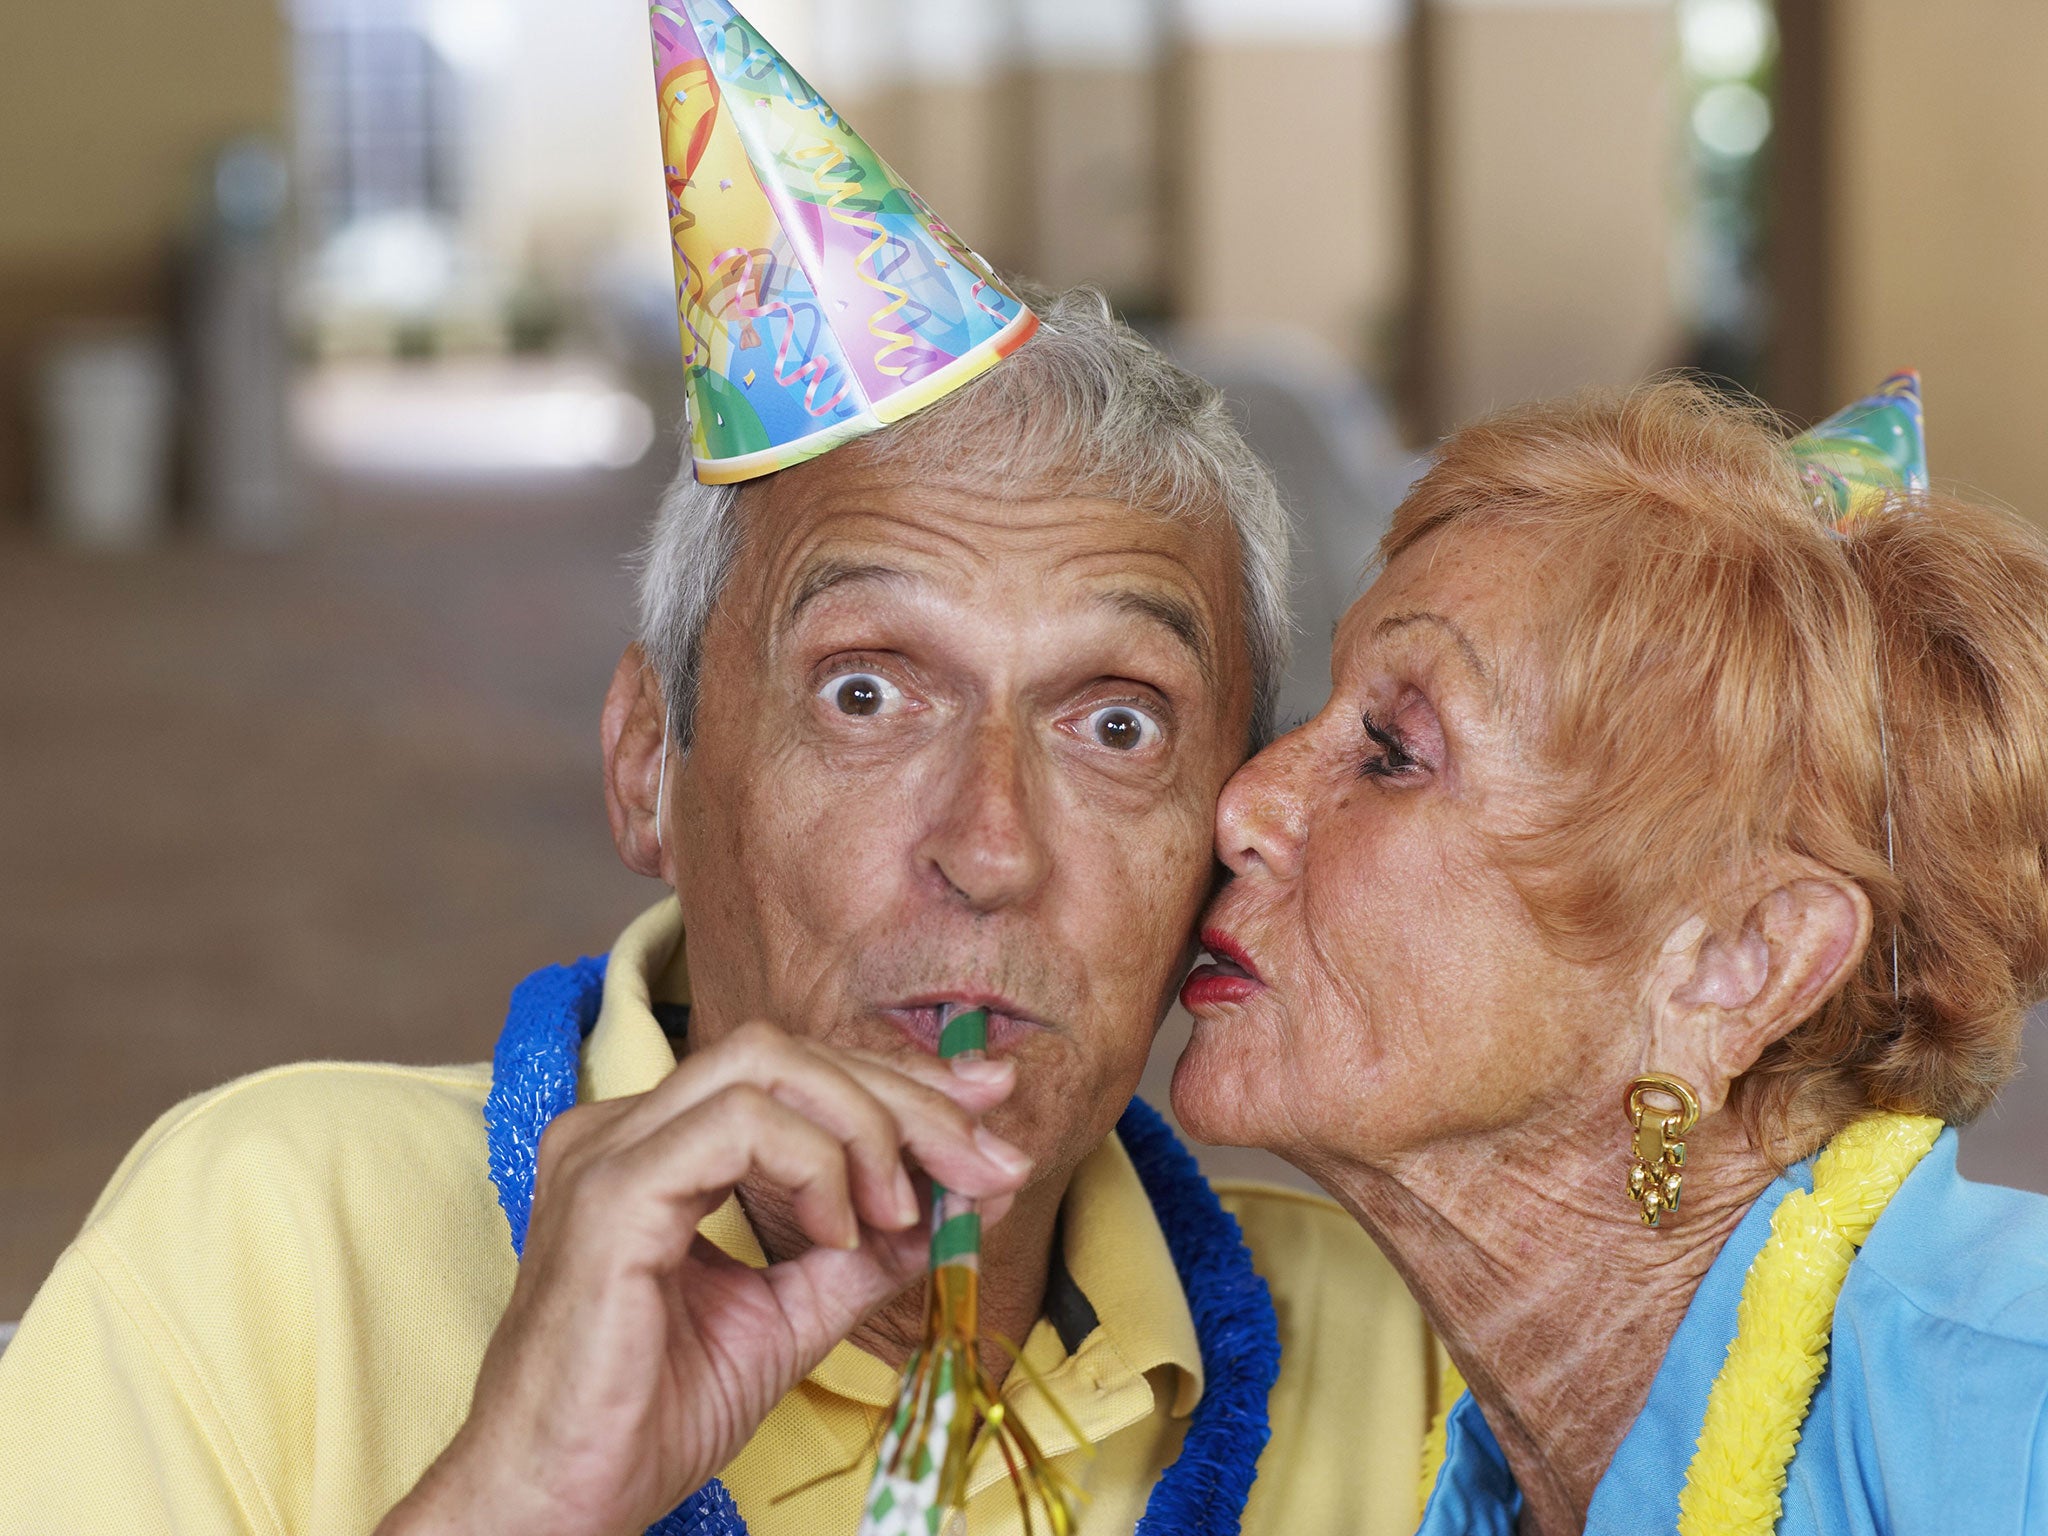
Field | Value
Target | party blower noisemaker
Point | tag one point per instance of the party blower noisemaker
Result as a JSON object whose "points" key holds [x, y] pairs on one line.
{"points": [[948, 1412]]}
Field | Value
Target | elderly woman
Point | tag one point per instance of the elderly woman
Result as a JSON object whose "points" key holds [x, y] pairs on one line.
{"points": [[1664, 875]]}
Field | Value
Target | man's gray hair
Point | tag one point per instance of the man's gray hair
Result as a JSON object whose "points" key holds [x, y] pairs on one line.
{"points": [[1086, 407]]}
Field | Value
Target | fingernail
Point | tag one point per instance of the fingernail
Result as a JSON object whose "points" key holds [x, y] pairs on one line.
{"points": [[1010, 1159], [981, 1069], [906, 1197]]}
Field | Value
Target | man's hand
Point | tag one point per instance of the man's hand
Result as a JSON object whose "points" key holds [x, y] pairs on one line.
{"points": [[635, 1359]]}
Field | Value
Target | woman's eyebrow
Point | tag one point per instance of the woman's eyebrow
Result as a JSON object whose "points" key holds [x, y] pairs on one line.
{"points": [[1399, 621]]}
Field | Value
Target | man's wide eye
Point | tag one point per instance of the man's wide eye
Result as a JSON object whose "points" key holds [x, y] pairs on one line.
{"points": [[1122, 729], [860, 693]]}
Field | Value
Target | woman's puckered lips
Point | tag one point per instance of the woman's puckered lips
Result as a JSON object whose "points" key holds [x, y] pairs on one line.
{"points": [[1228, 977]]}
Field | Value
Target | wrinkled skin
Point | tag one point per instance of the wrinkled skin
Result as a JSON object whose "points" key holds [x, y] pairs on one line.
{"points": [[634, 1358], [975, 836], [1407, 1036], [950, 746]]}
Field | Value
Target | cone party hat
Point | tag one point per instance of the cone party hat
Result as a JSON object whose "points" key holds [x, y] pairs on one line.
{"points": [[1865, 452], [817, 296]]}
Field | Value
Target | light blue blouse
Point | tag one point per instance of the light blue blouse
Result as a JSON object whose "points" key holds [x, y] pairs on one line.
{"points": [[1932, 1416]]}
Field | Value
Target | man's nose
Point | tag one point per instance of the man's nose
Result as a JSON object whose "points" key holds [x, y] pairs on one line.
{"points": [[985, 839], [1262, 816]]}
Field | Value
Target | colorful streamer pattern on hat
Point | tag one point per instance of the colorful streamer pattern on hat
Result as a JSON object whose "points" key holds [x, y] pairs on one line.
{"points": [[817, 296], [1866, 452]]}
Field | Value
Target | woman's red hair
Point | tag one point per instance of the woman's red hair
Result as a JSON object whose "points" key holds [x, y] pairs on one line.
{"points": [[1722, 680]]}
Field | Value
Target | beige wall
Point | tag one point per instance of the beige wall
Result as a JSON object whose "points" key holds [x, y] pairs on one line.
{"points": [[1291, 191], [945, 138], [100, 154], [1031, 126], [1553, 179], [1940, 146], [1089, 178], [1263, 179], [106, 112], [1047, 170]]}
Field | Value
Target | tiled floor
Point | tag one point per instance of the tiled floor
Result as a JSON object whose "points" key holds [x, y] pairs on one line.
{"points": [[330, 803]]}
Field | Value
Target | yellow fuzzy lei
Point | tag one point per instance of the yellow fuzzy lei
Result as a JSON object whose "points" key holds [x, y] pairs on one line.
{"points": [[1736, 1482]]}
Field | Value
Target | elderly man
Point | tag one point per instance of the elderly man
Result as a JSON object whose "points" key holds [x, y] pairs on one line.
{"points": [[946, 714], [935, 719]]}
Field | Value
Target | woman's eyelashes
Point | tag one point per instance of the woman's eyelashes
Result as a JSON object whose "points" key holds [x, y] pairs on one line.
{"points": [[1393, 759]]}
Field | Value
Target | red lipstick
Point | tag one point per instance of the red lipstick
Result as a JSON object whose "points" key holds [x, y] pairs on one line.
{"points": [[1228, 977]]}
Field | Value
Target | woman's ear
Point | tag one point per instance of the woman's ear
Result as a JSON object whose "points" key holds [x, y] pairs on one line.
{"points": [[1722, 997], [635, 744]]}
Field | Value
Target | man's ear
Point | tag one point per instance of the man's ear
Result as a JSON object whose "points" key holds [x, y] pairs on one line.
{"points": [[1722, 997], [635, 740]]}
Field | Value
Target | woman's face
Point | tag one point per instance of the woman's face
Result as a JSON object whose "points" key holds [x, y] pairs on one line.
{"points": [[1382, 985]]}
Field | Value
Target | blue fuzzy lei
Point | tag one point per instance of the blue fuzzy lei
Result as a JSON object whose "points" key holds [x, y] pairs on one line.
{"points": [[534, 1073]]}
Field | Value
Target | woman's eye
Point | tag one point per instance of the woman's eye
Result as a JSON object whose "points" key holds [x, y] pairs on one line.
{"points": [[1393, 758], [1121, 728], [861, 693]]}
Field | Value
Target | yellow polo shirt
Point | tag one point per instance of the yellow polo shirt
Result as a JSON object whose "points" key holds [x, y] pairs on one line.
{"points": [[273, 1319]]}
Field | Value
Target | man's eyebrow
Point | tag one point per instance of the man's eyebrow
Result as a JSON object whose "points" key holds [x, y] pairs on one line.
{"points": [[1398, 621], [826, 575], [1179, 618]]}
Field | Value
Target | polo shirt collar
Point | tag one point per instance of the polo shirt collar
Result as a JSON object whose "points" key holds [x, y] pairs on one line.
{"points": [[627, 1052], [1111, 1241]]}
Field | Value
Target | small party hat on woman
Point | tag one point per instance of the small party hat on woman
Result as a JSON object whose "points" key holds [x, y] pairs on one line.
{"points": [[1865, 452], [818, 297]]}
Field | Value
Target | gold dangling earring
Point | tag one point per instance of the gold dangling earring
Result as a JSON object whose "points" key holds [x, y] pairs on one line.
{"points": [[1657, 1164]]}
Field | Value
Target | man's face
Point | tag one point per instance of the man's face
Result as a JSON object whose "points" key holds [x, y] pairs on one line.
{"points": [[954, 747]]}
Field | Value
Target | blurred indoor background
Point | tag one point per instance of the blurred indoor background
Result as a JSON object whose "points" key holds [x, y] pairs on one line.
{"points": [[338, 369]]}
